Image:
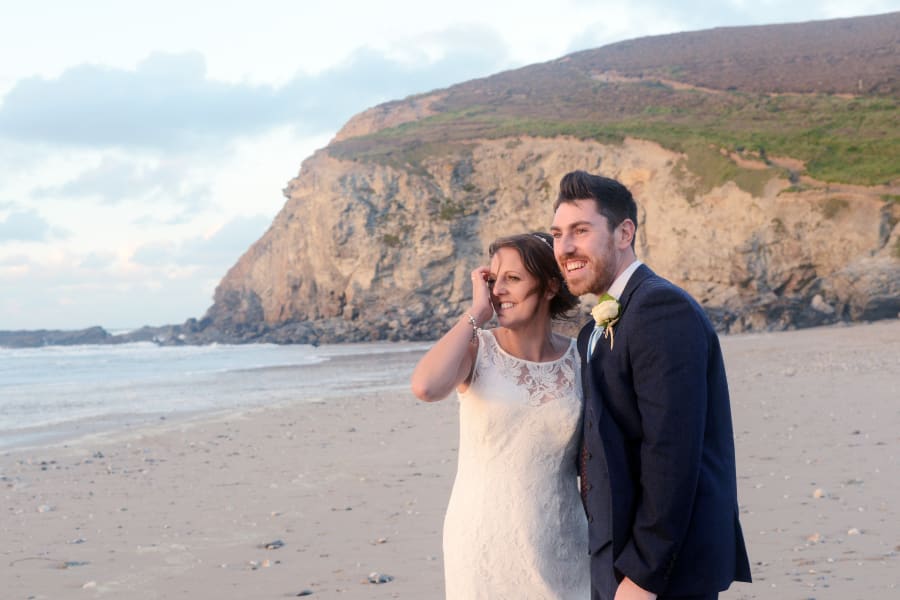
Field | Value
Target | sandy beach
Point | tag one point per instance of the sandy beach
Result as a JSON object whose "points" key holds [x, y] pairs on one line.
{"points": [[310, 499]]}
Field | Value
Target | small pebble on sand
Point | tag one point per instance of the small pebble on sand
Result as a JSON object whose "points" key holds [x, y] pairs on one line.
{"points": [[376, 577]]}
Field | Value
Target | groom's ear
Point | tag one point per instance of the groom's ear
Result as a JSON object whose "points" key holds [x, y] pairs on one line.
{"points": [[624, 233]]}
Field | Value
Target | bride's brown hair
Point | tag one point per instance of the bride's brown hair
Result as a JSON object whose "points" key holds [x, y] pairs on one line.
{"points": [[536, 250]]}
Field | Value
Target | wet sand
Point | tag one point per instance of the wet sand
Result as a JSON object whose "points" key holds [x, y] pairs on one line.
{"points": [[353, 486]]}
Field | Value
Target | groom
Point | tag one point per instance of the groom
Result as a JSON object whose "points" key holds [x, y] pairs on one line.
{"points": [[657, 461]]}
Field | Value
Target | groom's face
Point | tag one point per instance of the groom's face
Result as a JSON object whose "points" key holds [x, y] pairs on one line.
{"points": [[584, 247]]}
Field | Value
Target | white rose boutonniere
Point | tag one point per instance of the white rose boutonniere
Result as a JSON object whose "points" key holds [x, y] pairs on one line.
{"points": [[606, 314]]}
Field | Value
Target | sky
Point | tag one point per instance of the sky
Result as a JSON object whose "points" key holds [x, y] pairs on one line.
{"points": [[144, 146]]}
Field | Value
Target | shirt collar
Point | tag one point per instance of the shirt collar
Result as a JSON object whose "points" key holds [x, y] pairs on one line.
{"points": [[618, 286]]}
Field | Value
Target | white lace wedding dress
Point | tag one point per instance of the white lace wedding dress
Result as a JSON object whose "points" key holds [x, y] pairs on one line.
{"points": [[515, 527]]}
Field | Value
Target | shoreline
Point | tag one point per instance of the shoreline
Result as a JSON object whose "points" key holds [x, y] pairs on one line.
{"points": [[334, 331], [358, 483], [236, 379]]}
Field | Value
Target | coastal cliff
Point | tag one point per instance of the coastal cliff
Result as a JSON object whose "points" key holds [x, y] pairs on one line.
{"points": [[367, 251], [382, 227]]}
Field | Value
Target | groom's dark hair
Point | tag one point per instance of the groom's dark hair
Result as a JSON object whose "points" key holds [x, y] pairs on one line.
{"points": [[611, 198]]}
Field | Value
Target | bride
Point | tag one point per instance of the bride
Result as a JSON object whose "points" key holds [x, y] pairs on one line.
{"points": [[514, 526]]}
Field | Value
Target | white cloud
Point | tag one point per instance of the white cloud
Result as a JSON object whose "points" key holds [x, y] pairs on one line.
{"points": [[27, 226], [154, 300], [169, 102], [64, 291], [97, 261], [116, 180], [221, 248], [18, 261], [165, 102]]}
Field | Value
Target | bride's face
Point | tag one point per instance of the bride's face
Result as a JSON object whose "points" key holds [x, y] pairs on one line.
{"points": [[515, 293]]}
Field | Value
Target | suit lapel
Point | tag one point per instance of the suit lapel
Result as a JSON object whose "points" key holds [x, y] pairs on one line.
{"points": [[638, 277], [592, 373]]}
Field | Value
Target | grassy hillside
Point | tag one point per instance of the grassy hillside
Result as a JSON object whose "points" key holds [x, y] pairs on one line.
{"points": [[782, 90]]}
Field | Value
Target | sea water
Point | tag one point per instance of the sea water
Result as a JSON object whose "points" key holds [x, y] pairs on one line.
{"points": [[62, 392]]}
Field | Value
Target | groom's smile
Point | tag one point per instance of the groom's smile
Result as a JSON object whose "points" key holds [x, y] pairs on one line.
{"points": [[574, 265]]}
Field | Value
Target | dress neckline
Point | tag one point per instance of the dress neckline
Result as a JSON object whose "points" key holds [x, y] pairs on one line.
{"points": [[530, 362]]}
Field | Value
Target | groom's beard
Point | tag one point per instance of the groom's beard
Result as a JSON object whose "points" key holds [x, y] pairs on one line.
{"points": [[602, 269], [604, 275]]}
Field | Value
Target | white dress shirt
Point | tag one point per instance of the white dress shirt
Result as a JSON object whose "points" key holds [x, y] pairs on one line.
{"points": [[615, 290]]}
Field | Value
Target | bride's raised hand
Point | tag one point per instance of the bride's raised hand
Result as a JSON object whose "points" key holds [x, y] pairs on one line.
{"points": [[482, 309], [449, 363]]}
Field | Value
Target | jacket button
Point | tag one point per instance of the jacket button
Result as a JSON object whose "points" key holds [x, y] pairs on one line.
{"points": [[588, 486], [590, 456], [590, 518], [590, 424]]}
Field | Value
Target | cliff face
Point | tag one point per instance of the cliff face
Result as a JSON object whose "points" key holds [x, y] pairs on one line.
{"points": [[367, 251], [751, 128]]}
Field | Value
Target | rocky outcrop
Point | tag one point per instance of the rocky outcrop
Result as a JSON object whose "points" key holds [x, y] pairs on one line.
{"points": [[365, 251], [53, 337], [389, 114], [165, 335]]}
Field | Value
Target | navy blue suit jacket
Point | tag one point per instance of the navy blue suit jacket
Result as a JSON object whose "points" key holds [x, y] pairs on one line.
{"points": [[658, 454]]}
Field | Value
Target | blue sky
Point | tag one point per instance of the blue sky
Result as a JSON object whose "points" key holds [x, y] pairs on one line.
{"points": [[144, 146]]}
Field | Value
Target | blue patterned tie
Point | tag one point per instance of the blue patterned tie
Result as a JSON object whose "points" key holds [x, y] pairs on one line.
{"points": [[592, 341]]}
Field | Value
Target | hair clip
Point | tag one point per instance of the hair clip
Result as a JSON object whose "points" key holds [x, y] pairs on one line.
{"points": [[540, 237]]}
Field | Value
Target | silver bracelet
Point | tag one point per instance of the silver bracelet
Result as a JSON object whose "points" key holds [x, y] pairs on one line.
{"points": [[475, 326]]}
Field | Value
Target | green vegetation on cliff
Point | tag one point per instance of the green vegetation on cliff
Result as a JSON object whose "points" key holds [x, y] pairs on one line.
{"points": [[794, 91], [840, 139]]}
